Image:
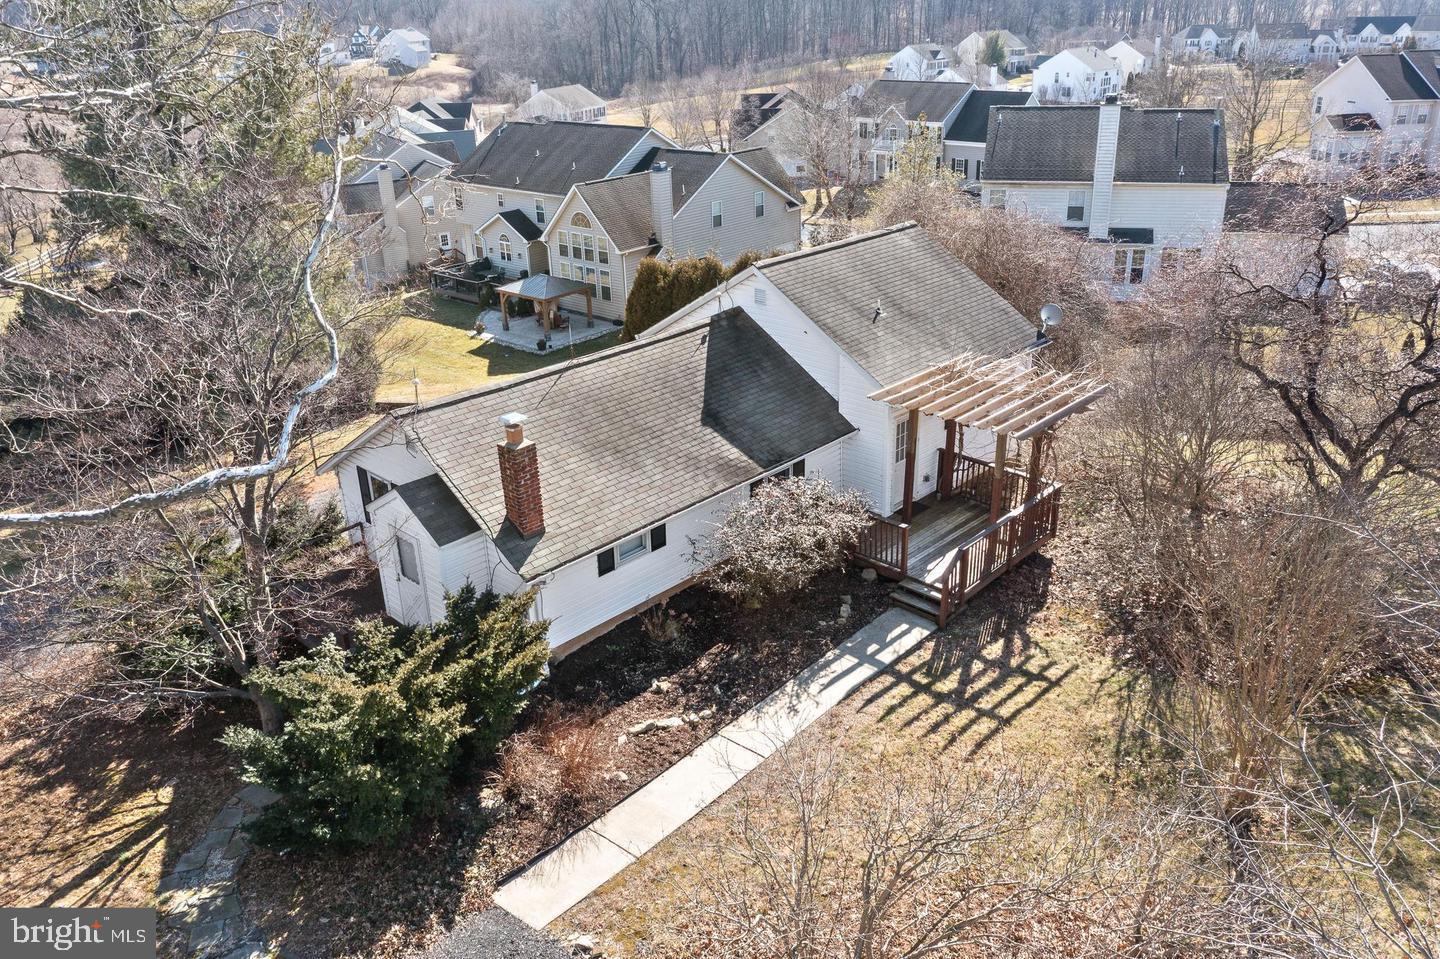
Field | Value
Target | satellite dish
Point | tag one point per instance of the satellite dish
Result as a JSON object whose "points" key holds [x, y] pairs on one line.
{"points": [[1050, 315]]}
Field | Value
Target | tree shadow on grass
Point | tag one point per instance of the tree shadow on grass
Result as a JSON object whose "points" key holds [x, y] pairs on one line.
{"points": [[98, 810]]}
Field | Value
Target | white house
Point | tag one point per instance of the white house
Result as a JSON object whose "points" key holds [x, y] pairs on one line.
{"points": [[1387, 34], [364, 39], [571, 102], [1150, 183], [406, 48], [589, 482], [1019, 51], [1134, 56], [1290, 42], [920, 61], [769, 119], [1204, 41], [1376, 108], [1078, 75]]}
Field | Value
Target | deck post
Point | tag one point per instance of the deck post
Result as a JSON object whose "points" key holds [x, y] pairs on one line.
{"points": [[947, 462], [912, 428], [504, 313], [1037, 450], [997, 478]]}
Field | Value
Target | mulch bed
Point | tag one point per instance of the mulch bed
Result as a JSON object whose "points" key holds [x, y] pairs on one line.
{"points": [[388, 901]]}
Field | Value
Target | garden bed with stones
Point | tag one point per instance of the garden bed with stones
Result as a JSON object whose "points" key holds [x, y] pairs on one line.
{"points": [[638, 699]]}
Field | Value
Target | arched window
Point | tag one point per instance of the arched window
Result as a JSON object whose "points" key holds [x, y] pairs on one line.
{"points": [[505, 247], [580, 220]]}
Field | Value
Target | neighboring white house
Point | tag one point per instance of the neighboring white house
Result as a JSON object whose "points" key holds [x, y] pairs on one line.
{"points": [[1019, 51], [1291, 42], [920, 61], [571, 102], [1387, 34], [364, 39], [1078, 75], [383, 203], [1151, 183], [895, 109], [1134, 56], [1376, 108], [608, 470], [1204, 41], [406, 49]]}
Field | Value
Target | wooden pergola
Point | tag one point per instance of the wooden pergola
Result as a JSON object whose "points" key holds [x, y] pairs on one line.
{"points": [[1010, 396], [545, 291]]}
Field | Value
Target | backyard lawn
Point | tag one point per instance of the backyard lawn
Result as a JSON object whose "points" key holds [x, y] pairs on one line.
{"points": [[432, 342]]}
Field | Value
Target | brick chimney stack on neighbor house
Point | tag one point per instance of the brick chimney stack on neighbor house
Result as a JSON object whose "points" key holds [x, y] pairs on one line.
{"points": [[520, 477]]}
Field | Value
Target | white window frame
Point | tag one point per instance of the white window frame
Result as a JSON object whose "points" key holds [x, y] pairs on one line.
{"points": [[500, 200], [563, 242], [1123, 275], [605, 291], [506, 252], [717, 214], [602, 250], [444, 240], [902, 438], [539, 210], [427, 203], [759, 204], [998, 199], [1077, 198], [631, 547]]}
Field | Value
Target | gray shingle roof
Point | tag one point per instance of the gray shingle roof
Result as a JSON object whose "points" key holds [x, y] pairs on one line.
{"points": [[1404, 76], [1198, 30], [973, 120], [633, 435], [1291, 208], [763, 162], [933, 307], [755, 110], [1290, 30], [916, 97], [622, 205], [1057, 144], [438, 510], [1383, 24], [522, 224], [548, 157], [574, 96]]}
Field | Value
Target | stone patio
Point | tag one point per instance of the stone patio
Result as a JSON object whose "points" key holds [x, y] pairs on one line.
{"points": [[525, 332]]}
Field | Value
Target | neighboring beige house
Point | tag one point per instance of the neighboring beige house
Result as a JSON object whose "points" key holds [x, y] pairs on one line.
{"points": [[385, 205], [686, 203], [571, 102], [1019, 51], [769, 119]]}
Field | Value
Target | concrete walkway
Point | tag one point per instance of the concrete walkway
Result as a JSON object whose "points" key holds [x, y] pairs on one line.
{"points": [[578, 866]]}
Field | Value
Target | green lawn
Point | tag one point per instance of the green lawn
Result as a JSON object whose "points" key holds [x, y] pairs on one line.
{"points": [[432, 342]]}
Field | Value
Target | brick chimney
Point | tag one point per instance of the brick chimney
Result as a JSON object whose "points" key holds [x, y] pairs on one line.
{"points": [[520, 477]]}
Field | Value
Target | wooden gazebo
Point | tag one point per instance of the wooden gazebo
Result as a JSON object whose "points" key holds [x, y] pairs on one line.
{"points": [[545, 291], [1017, 401]]}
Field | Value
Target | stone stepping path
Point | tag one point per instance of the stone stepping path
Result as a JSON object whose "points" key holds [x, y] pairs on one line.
{"points": [[199, 897], [562, 877]]}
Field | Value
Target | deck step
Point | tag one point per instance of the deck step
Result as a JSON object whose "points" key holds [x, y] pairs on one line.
{"points": [[920, 588], [924, 605]]}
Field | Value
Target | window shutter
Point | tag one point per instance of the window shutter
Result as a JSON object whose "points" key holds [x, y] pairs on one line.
{"points": [[606, 561], [363, 476], [657, 537], [798, 469]]}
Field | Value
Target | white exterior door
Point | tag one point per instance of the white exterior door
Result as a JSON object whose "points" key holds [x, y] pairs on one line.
{"points": [[403, 580], [900, 437]]}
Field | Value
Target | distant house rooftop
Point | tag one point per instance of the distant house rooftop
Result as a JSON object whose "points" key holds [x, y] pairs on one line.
{"points": [[548, 157], [916, 98]]}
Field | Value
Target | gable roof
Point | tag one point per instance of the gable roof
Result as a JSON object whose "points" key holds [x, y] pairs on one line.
{"points": [[1196, 31], [572, 96], [1404, 76], [930, 51], [933, 308], [1293, 30], [754, 111], [1057, 144], [630, 436], [517, 221], [1138, 44], [1092, 58], [548, 157], [763, 163], [914, 98], [622, 206], [973, 120], [1383, 24], [448, 114], [1010, 40]]}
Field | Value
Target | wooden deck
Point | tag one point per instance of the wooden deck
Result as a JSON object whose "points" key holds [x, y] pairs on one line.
{"points": [[937, 532]]}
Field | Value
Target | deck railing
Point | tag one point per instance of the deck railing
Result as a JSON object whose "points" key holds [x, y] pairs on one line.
{"points": [[886, 547], [975, 479], [997, 548]]}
